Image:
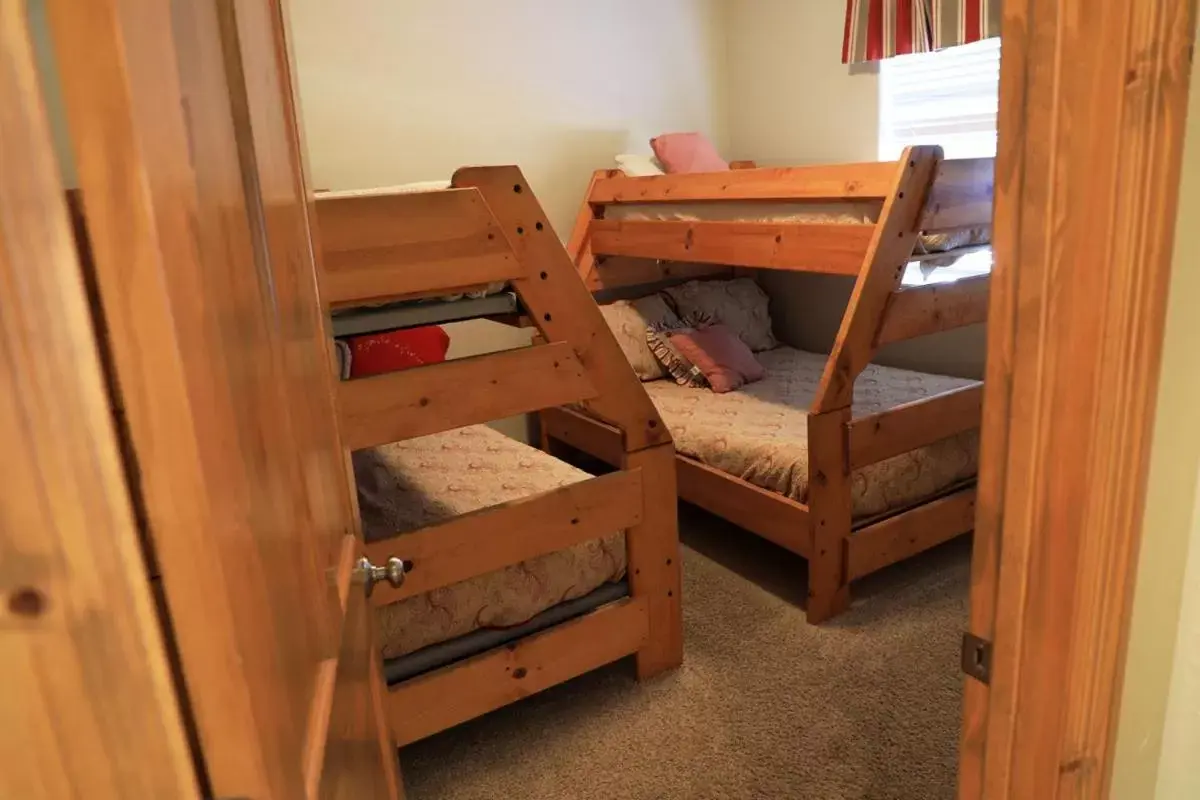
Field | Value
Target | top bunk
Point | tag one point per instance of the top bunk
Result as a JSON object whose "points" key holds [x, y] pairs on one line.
{"points": [[820, 219], [397, 254], [418, 254]]}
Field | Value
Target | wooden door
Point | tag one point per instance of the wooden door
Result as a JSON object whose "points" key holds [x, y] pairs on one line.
{"points": [[180, 119], [1093, 99], [87, 699]]}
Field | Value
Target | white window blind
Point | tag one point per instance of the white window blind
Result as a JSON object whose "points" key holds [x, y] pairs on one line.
{"points": [[948, 97]]}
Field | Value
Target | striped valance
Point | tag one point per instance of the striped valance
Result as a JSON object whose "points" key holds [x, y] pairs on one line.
{"points": [[877, 29], [955, 22]]}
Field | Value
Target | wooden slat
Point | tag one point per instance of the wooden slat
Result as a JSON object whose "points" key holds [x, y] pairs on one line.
{"points": [[496, 537], [614, 272], [961, 195], [830, 504], [832, 248], [431, 703], [887, 256], [652, 550], [385, 246], [561, 306], [743, 164], [909, 426], [415, 402], [774, 517], [904, 535], [923, 310], [865, 181], [583, 433]]}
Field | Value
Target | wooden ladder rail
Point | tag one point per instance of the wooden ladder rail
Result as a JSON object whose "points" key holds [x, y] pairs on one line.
{"points": [[830, 503]]}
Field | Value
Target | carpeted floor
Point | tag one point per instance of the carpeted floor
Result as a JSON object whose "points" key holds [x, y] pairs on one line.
{"points": [[765, 706]]}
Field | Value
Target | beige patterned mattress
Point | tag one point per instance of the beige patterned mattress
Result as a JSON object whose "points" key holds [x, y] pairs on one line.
{"points": [[759, 433], [412, 484], [746, 211]]}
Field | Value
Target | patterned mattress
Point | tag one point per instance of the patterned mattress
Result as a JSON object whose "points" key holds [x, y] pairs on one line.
{"points": [[759, 433], [409, 485]]}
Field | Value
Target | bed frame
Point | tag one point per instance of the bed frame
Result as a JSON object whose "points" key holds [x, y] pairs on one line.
{"points": [[919, 193], [490, 227]]}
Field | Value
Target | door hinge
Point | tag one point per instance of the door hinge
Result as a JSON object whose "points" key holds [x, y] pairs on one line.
{"points": [[977, 658]]}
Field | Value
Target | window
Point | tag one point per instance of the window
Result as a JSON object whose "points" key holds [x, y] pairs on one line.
{"points": [[948, 97]]}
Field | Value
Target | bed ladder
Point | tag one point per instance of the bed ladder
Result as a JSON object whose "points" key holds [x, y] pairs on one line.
{"points": [[489, 228]]}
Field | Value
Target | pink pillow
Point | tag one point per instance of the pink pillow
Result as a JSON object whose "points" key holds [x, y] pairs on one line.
{"points": [[724, 359], [687, 152]]}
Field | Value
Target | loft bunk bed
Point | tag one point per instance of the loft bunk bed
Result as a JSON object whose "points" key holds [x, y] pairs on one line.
{"points": [[500, 570], [913, 235]]}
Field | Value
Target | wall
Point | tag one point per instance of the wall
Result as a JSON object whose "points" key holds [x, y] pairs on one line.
{"points": [[395, 91], [792, 101], [1159, 730]]}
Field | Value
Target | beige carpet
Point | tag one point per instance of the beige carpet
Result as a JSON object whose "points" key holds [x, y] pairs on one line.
{"points": [[765, 705]]}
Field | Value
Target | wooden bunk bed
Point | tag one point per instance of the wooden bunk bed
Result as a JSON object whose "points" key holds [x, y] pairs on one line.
{"points": [[385, 253], [915, 197]]}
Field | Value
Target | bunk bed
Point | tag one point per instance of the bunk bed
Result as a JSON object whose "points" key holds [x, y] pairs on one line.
{"points": [[496, 571], [912, 234]]}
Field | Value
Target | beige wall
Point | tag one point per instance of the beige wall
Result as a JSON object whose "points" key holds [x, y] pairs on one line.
{"points": [[1159, 736], [792, 101], [395, 91]]}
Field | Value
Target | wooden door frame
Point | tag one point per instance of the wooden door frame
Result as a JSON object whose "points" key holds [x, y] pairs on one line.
{"points": [[1093, 98]]}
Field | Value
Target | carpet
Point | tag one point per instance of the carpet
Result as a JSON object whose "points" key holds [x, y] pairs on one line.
{"points": [[765, 705]]}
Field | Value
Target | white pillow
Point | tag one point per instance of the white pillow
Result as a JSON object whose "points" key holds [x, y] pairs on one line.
{"points": [[636, 165]]}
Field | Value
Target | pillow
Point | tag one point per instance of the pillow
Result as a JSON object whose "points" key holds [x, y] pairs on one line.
{"points": [[739, 304], [687, 152], [638, 166], [680, 368], [377, 353], [629, 320], [718, 353]]}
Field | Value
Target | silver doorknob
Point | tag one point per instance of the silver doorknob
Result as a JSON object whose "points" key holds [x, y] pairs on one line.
{"points": [[393, 572]]}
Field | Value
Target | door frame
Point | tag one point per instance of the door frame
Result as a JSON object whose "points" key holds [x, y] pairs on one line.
{"points": [[1093, 101]]}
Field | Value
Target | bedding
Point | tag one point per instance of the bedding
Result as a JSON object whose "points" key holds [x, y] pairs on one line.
{"points": [[759, 433], [724, 359], [687, 152], [739, 304], [636, 165], [412, 484], [629, 320]]}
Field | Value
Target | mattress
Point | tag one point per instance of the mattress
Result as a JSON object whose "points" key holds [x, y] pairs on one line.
{"points": [[412, 484], [759, 433], [745, 211]]}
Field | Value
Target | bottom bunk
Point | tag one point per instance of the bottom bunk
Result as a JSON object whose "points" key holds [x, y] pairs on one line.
{"points": [[759, 433], [518, 573], [415, 484], [851, 489]]}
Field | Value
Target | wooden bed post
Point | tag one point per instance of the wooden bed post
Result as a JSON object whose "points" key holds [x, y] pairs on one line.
{"points": [[830, 504], [564, 311], [579, 246], [829, 514], [891, 247]]}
